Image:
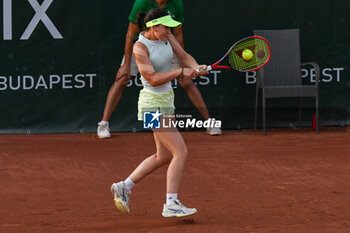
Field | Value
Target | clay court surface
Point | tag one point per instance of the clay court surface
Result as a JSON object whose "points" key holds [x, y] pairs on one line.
{"points": [[288, 181]]}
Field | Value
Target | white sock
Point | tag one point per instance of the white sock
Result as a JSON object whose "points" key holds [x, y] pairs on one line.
{"points": [[129, 184], [170, 198], [106, 122]]}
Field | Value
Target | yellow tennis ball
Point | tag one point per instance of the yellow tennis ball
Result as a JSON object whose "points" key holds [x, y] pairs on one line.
{"points": [[247, 54]]}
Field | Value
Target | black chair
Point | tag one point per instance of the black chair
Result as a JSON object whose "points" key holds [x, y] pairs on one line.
{"points": [[281, 77]]}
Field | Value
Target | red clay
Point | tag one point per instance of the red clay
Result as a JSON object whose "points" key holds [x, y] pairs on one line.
{"points": [[288, 181]]}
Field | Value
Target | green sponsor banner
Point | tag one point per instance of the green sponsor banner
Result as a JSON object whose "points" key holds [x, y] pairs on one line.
{"points": [[59, 58]]}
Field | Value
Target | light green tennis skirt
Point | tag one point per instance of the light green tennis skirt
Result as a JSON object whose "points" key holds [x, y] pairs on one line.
{"points": [[149, 101]]}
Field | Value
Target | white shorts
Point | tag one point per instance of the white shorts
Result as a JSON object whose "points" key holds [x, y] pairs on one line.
{"points": [[153, 101], [134, 70]]}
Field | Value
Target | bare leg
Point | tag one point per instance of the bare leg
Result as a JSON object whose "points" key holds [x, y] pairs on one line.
{"points": [[113, 98], [152, 163], [195, 97], [170, 148]]}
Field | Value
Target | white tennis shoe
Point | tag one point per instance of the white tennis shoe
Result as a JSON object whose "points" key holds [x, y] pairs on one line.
{"points": [[177, 210], [214, 131], [121, 197], [103, 130]]}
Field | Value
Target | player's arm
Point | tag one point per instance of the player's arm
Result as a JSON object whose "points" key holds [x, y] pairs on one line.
{"points": [[147, 71], [124, 70], [185, 58]]}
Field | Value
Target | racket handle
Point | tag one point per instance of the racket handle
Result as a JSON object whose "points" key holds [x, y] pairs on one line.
{"points": [[209, 68]]}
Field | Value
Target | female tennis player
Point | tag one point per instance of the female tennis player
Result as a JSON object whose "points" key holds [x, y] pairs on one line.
{"points": [[153, 53]]}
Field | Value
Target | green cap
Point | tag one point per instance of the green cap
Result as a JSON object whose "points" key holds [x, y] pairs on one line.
{"points": [[165, 20]]}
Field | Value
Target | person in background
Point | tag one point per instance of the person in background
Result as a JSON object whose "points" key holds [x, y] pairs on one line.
{"points": [[129, 69]]}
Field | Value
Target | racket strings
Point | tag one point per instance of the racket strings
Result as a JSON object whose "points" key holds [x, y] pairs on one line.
{"points": [[260, 52]]}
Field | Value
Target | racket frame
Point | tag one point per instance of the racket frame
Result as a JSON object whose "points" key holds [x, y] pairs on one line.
{"points": [[217, 66]]}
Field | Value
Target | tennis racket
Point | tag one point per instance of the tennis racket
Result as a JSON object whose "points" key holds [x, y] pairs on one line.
{"points": [[258, 55]]}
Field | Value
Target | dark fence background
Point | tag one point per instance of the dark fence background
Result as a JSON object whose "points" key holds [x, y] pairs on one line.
{"points": [[53, 82]]}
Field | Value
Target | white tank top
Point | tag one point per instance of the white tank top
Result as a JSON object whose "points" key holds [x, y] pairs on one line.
{"points": [[160, 55]]}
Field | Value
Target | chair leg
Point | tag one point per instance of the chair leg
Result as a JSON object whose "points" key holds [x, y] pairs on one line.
{"points": [[256, 108], [317, 115], [300, 111], [264, 111]]}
